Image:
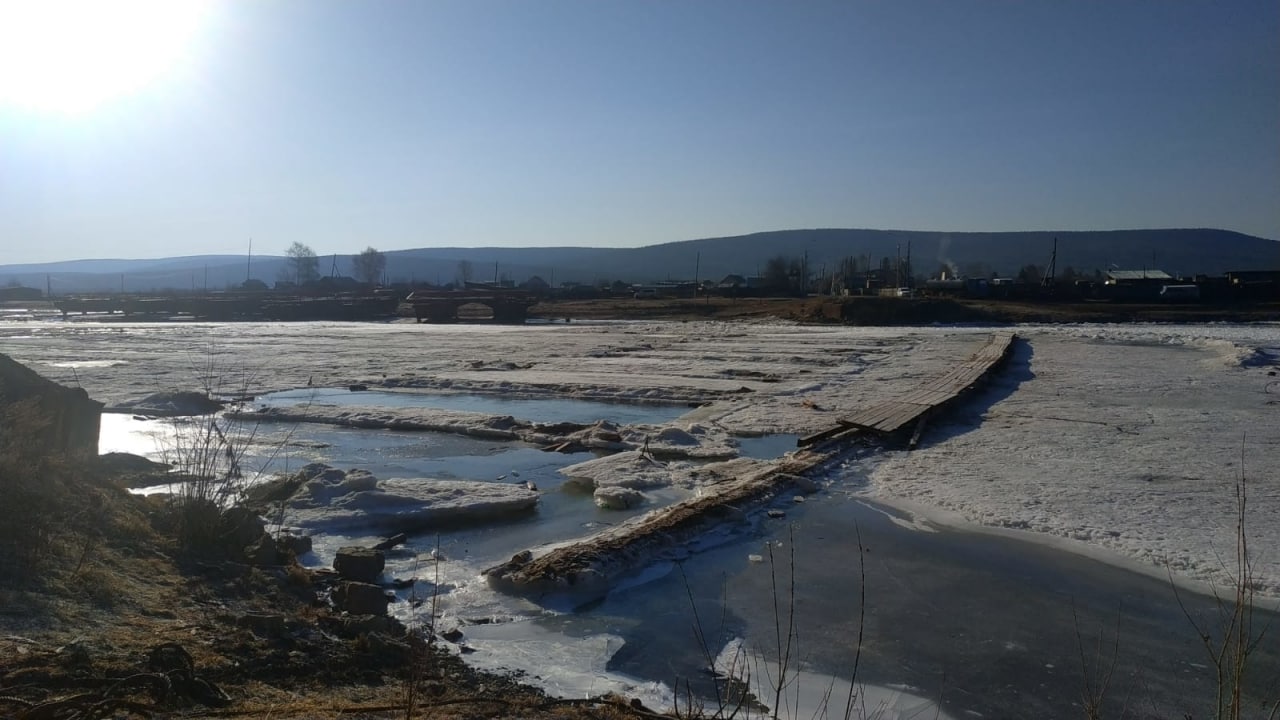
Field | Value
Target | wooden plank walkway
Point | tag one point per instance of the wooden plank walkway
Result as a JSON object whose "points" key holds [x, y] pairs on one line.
{"points": [[892, 415], [587, 569]]}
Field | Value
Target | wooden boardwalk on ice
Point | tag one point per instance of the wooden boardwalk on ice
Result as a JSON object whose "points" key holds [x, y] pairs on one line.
{"points": [[587, 568], [894, 414]]}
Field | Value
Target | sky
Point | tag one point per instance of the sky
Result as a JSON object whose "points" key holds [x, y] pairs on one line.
{"points": [[152, 132]]}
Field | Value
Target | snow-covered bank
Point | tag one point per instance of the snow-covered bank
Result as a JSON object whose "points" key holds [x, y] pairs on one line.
{"points": [[1125, 438]]}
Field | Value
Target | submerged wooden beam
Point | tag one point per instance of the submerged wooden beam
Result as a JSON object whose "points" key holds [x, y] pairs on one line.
{"points": [[584, 570], [915, 436], [828, 434]]}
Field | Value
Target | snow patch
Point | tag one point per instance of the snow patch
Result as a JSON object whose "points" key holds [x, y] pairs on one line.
{"points": [[618, 498]]}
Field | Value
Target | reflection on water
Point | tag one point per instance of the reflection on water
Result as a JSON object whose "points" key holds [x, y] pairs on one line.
{"points": [[543, 410]]}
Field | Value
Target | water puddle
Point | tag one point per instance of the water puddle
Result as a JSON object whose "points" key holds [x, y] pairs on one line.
{"points": [[767, 447], [543, 410]]}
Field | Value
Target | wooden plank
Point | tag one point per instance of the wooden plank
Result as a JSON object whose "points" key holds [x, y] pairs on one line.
{"points": [[907, 414], [876, 414], [891, 415]]}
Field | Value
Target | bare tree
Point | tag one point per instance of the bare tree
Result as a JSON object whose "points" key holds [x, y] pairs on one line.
{"points": [[777, 273], [369, 265], [1030, 274], [303, 263]]}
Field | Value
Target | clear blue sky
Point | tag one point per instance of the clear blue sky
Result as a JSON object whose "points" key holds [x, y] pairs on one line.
{"points": [[420, 124]]}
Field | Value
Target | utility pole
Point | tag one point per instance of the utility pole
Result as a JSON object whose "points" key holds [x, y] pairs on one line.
{"points": [[897, 266], [248, 267], [697, 266], [910, 273], [1052, 270]]}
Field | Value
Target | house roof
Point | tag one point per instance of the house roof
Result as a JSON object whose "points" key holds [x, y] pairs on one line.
{"points": [[1138, 275]]}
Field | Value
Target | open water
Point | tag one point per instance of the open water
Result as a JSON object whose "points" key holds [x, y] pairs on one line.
{"points": [[979, 625]]}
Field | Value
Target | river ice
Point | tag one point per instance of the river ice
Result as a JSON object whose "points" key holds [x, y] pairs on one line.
{"points": [[1121, 438], [1120, 442]]}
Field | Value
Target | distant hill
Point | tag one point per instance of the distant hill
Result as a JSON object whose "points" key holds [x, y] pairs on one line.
{"points": [[1179, 252]]}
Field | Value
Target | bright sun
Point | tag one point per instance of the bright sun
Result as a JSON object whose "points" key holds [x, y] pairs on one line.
{"points": [[70, 56]]}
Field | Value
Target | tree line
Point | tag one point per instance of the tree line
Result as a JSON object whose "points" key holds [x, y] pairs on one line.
{"points": [[304, 265]]}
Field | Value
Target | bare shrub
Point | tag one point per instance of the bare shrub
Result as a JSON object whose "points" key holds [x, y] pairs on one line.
{"points": [[765, 682], [208, 455], [1231, 637]]}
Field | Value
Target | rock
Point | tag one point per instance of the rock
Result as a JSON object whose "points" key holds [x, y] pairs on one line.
{"points": [[241, 526], [776, 514], [263, 624], [359, 564], [357, 598], [295, 544], [262, 552], [74, 654], [356, 625], [452, 635], [385, 648], [120, 462], [261, 496]]}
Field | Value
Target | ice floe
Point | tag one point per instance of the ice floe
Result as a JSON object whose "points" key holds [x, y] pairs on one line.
{"points": [[332, 499]]}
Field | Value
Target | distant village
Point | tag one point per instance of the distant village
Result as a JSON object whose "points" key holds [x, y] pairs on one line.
{"points": [[780, 276]]}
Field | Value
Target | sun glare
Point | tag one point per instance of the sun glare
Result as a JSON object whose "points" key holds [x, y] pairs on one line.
{"points": [[71, 56]]}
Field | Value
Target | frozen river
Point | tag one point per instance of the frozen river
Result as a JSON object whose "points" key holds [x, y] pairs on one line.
{"points": [[1101, 459]]}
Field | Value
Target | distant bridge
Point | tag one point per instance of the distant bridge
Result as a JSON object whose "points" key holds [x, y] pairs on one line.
{"points": [[235, 306], [443, 306]]}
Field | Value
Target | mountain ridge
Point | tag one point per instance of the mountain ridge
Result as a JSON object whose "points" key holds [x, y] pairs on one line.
{"points": [[1180, 251]]}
